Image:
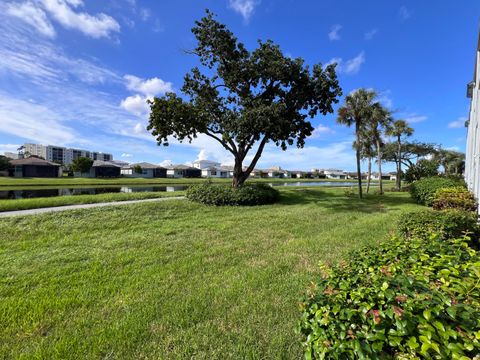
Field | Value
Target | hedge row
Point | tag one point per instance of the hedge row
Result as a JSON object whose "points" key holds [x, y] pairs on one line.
{"points": [[423, 191], [220, 195], [408, 298]]}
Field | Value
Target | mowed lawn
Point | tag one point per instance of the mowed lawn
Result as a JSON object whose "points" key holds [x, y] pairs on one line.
{"points": [[175, 280]]}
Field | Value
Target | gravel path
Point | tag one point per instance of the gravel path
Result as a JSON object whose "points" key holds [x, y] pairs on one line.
{"points": [[82, 206]]}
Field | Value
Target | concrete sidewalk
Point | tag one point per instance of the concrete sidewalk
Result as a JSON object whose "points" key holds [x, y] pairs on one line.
{"points": [[82, 206]]}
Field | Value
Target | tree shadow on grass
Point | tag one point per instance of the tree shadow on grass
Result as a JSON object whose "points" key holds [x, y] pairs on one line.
{"points": [[338, 201]]}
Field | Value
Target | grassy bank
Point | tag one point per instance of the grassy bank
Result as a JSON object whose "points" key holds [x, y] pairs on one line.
{"points": [[8, 182], [175, 279], [35, 203]]}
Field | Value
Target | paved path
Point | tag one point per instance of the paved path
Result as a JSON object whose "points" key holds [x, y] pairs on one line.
{"points": [[83, 206]]}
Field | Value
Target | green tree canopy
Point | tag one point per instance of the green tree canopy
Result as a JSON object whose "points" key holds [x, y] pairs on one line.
{"points": [[244, 99], [4, 163], [82, 164]]}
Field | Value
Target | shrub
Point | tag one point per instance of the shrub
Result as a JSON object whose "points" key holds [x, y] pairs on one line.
{"points": [[405, 299], [454, 198], [447, 224], [423, 191], [248, 194]]}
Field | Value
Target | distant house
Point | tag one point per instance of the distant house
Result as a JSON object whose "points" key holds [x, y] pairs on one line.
{"points": [[385, 176], [354, 176], [278, 172], [102, 168], [204, 164], [183, 171], [146, 170], [216, 172], [35, 167], [335, 174], [259, 173]]}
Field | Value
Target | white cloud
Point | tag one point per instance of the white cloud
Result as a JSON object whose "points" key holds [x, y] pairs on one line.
{"points": [[245, 8], [135, 104], [321, 130], [145, 14], [38, 14], [385, 99], [9, 148], [334, 33], [202, 155], [404, 13], [126, 155], [351, 66], [457, 124], [336, 155], [370, 34], [166, 163], [148, 87], [32, 15], [31, 121], [415, 118], [96, 26]]}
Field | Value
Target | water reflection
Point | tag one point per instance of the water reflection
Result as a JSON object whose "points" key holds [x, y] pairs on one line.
{"points": [[28, 194]]}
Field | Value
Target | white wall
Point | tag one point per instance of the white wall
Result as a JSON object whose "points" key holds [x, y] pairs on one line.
{"points": [[472, 168]]}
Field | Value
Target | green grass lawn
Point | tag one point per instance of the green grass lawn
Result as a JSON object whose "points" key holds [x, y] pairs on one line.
{"points": [[8, 182], [35, 203], [175, 280]]}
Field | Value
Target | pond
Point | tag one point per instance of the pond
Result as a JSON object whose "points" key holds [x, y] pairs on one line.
{"points": [[52, 192], [316, 183], [65, 191]]}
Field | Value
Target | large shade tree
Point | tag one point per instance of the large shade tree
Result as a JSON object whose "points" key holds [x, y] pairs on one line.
{"points": [[357, 111], [244, 99], [410, 152], [399, 129]]}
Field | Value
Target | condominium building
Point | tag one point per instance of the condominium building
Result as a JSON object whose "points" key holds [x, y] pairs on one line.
{"points": [[63, 155], [472, 158]]}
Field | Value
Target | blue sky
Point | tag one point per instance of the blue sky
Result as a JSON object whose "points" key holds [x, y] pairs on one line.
{"points": [[77, 73]]}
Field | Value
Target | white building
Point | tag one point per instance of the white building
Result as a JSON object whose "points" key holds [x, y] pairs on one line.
{"points": [[472, 158], [11, 155], [204, 164], [63, 155], [335, 174], [216, 172]]}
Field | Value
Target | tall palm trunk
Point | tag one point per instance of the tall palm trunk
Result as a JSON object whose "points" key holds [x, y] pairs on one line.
{"points": [[369, 176], [379, 159], [357, 148], [398, 180]]}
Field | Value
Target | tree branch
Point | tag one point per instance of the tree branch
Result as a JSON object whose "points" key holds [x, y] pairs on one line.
{"points": [[257, 155], [233, 151]]}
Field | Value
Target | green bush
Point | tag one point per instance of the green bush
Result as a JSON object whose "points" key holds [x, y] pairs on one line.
{"points": [[447, 224], [220, 195], [423, 191], [405, 299], [454, 198]]}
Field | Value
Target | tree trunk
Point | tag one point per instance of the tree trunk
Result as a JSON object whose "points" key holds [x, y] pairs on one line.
{"points": [[359, 171], [379, 159], [369, 176], [398, 180], [239, 176]]}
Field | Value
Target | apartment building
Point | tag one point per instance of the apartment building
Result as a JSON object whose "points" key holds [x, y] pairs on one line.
{"points": [[63, 155], [472, 158]]}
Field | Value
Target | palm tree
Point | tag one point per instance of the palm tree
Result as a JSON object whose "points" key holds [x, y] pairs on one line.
{"points": [[356, 111], [399, 129], [380, 121], [366, 152]]}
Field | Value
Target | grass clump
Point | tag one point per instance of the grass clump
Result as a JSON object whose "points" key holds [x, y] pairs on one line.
{"points": [[221, 195]]}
